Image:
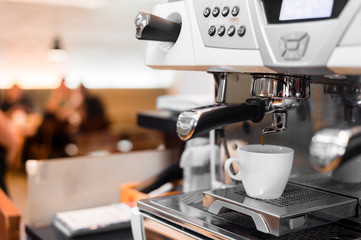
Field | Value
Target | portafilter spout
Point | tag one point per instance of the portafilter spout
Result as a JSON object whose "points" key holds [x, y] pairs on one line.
{"points": [[280, 94], [279, 123]]}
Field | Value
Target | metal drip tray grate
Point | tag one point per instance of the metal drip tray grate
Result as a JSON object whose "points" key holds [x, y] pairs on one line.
{"points": [[328, 184], [297, 208], [188, 212], [295, 195], [331, 231], [195, 200]]}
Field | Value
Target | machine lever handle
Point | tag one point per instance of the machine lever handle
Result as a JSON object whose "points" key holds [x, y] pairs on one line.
{"points": [[151, 27], [195, 122]]}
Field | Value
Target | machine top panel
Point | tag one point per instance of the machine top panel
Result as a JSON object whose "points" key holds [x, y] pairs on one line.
{"points": [[313, 37]]}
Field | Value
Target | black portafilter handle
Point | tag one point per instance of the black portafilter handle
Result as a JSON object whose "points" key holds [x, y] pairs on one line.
{"points": [[151, 27], [198, 121]]}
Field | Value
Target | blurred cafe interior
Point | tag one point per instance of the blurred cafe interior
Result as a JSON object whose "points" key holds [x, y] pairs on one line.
{"points": [[180, 119], [72, 83]]}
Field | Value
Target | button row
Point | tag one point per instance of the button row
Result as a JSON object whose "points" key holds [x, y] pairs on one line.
{"points": [[225, 11], [230, 31]]}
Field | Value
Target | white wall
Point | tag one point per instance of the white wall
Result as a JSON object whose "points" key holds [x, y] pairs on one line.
{"points": [[101, 47]]}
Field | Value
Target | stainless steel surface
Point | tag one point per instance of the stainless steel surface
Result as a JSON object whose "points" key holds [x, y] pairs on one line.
{"points": [[337, 148], [187, 122], [283, 92], [221, 82], [186, 212], [279, 92], [328, 146], [157, 229], [326, 182], [141, 21], [217, 206], [279, 123], [302, 125], [313, 114], [283, 58], [293, 210], [348, 95]]}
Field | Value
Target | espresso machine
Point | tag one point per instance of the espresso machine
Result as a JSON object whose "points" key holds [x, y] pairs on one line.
{"points": [[285, 71]]}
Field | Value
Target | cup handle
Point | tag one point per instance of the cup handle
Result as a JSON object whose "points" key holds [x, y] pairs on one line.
{"points": [[227, 167]]}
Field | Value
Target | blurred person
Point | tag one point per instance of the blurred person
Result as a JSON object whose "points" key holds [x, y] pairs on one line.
{"points": [[73, 119], [94, 117], [10, 145], [16, 106], [61, 121], [15, 100], [92, 135], [63, 102]]}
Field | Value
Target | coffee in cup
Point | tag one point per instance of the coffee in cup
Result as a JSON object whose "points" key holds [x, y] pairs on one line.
{"points": [[263, 169]]}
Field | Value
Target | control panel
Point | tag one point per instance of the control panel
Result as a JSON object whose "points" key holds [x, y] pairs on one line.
{"points": [[225, 24], [318, 37]]}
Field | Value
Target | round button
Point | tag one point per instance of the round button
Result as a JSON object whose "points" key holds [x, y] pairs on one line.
{"points": [[235, 11], [231, 30], [206, 12], [241, 31], [212, 31], [216, 11], [221, 30], [225, 11]]}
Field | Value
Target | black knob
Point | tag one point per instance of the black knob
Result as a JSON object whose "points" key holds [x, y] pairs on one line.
{"points": [[151, 27]]}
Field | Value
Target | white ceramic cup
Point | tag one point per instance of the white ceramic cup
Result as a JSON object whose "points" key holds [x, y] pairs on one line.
{"points": [[263, 169]]}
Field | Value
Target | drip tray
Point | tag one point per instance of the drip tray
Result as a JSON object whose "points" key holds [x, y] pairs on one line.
{"points": [[299, 207]]}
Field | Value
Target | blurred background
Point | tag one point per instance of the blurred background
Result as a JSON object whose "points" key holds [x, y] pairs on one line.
{"points": [[73, 80], [97, 36], [90, 43]]}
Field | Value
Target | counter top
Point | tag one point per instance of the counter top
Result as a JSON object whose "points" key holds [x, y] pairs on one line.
{"points": [[51, 233]]}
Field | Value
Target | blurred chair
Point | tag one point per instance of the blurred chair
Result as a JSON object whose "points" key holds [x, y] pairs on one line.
{"points": [[10, 218]]}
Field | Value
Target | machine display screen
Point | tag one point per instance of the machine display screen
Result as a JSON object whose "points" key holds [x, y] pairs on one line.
{"points": [[305, 9]]}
